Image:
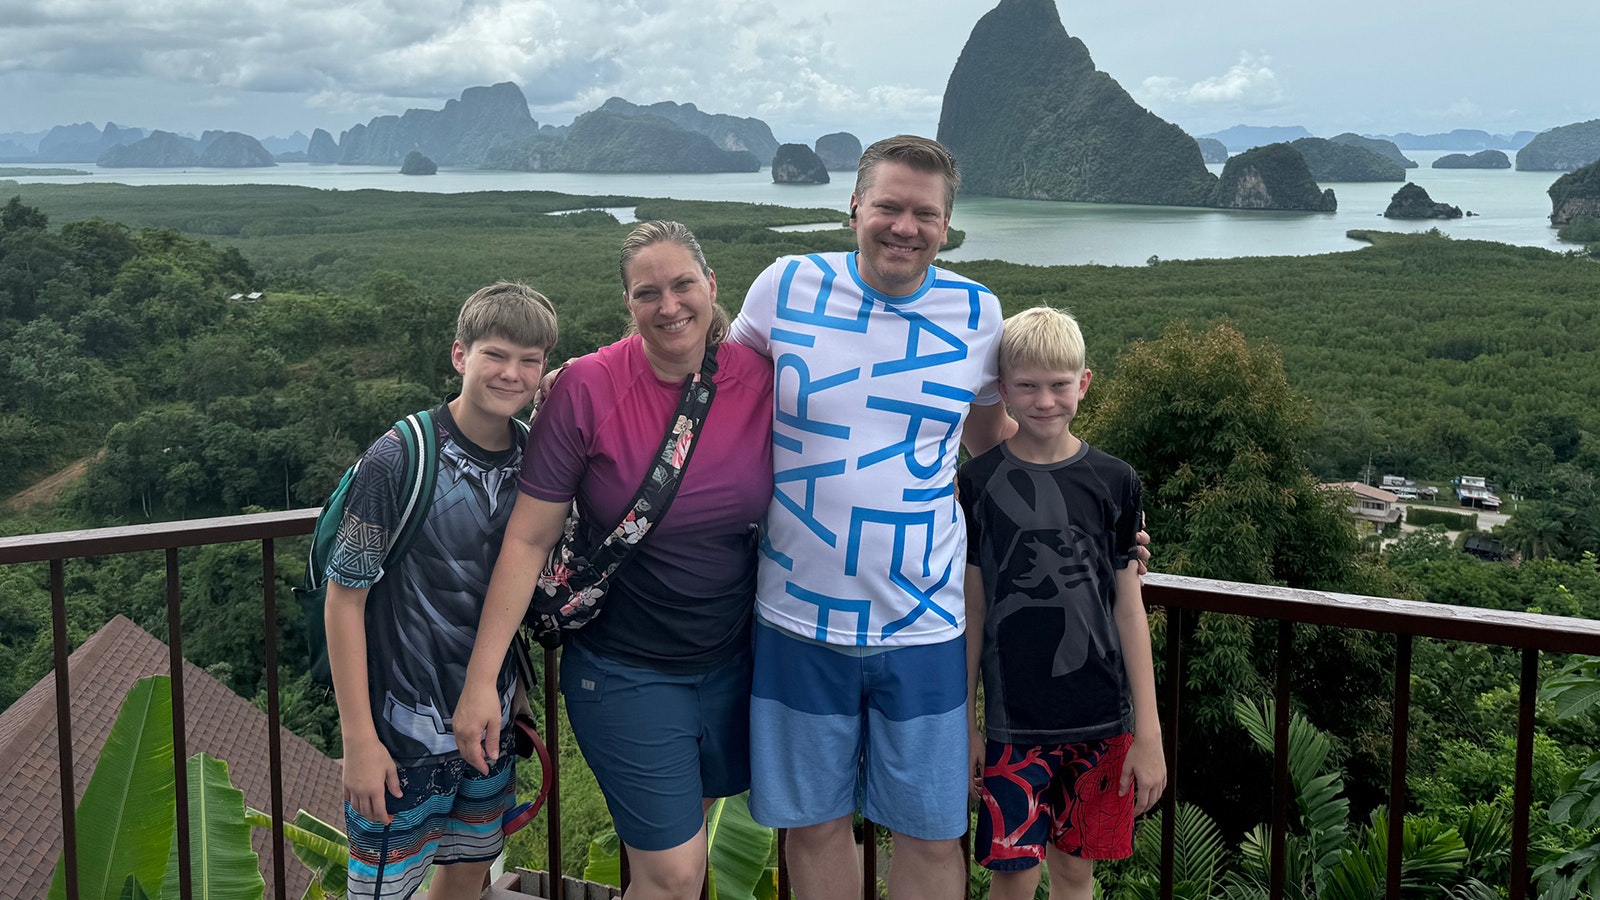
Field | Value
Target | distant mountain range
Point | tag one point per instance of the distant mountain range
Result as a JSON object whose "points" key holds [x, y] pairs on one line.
{"points": [[1243, 137], [488, 126], [491, 126]]}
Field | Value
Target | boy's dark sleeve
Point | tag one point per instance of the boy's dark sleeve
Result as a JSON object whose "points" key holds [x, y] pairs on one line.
{"points": [[1130, 517], [967, 493], [371, 515]]}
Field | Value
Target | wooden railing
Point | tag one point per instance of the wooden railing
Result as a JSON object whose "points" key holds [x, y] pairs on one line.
{"points": [[1181, 597]]}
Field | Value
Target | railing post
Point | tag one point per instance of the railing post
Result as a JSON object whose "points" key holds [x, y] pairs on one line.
{"points": [[180, 751], [69, 799], [1169, 737], [1399, 753], [1522, 785], [1282, 790], [552, 804], [783, 864], [869, 859], [269, 628]]}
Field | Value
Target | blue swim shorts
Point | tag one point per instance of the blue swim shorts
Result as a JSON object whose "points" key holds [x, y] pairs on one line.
{"points": [[658, 743], [448, 813], [834, 729]]}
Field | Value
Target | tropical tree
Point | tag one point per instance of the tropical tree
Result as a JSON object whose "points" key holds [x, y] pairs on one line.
{"points": [[1209, 421], [1534, 531], [1574, 691]]}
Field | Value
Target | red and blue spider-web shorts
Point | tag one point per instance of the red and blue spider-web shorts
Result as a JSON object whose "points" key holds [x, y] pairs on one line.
{"points": [[1060, 794]]}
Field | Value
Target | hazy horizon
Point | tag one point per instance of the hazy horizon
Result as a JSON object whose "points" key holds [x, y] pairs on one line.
{"points": [[269, 68]]}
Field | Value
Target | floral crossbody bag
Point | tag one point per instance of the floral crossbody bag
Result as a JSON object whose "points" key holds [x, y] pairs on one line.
{"points": [[573, 585]]}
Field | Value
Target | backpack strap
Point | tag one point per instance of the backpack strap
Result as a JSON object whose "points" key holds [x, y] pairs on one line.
{"points": [[420, 441]]}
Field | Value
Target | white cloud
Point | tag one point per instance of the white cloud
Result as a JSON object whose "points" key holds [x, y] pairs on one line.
{"points": [[1249, 83], [372, 57]]}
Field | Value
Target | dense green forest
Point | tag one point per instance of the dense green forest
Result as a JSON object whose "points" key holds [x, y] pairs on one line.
{"points": [[1232, 385]]}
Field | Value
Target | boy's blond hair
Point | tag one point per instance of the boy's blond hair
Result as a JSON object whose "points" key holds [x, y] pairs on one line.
{"points": [[1043, 338], [510, 311]]}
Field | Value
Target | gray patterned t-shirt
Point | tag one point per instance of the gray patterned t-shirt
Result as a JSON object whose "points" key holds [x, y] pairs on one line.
{"points": [[422, 616]]}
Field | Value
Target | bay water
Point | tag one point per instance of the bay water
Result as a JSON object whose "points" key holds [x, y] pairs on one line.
{"points": [[1512, 207]]}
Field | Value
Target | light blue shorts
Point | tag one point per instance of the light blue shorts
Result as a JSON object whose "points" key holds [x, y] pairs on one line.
{"points": [[835, 729]]}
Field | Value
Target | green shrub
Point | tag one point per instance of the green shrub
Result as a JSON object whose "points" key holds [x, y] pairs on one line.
{"points": [[1422, 515]]}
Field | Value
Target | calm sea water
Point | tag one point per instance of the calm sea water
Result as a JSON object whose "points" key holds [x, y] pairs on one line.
{"points": [[1512, 207]]}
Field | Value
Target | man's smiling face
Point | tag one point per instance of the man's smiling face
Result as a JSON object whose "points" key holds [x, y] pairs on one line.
{"points": [[900, 223]]}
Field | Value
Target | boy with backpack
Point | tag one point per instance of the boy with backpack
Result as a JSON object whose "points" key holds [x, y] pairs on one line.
{"points": [[1056, 624], [400, 627]]}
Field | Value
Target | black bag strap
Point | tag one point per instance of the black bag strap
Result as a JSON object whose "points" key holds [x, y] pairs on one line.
{"points": [[660, 485]]}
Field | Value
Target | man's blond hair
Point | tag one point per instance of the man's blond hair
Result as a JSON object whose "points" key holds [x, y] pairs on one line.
{"points": [[920, 153], [1042, 338], [510, 311]]}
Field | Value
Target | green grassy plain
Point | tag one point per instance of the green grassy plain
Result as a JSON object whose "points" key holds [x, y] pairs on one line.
{"points": [[1427, 355]]}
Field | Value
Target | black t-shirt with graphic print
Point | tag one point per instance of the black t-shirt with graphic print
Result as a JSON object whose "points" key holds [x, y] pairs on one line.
{"points": [[1049, 541]]}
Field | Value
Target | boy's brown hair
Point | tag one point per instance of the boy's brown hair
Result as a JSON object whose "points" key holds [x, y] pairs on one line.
{"points": [[511, 311]]}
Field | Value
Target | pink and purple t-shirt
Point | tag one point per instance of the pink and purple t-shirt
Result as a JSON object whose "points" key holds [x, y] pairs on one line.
{"points": [[683, 604]]}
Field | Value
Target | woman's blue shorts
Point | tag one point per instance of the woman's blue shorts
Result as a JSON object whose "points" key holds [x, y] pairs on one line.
{"points": [[659, 743]]}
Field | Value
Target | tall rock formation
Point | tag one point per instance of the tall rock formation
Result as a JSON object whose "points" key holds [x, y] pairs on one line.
{"points": [[797, 164], [83, 142], [839, 151], [1565, 148], [1338, 161], [727, 132], [233, 150], [1384, 148], [1483, 159], [461, 134], [599, 141], [162, 149], [322, 149], [1271, 177], [1212, 150], [1576, 195], [1027, 115], [1412, 202], [417, 164]]}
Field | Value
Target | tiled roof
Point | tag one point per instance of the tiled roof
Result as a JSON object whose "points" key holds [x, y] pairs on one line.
{"points": [[1366, 490], [218, 722]]}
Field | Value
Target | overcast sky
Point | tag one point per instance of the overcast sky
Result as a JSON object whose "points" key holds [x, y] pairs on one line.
{"points": [[269, 67]]}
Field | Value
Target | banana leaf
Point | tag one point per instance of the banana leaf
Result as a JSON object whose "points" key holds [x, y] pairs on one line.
{"points": [[739, 853], [738, 849], [604, 865], [128, 813], [222, 864], [133, 890], [324, 849]]}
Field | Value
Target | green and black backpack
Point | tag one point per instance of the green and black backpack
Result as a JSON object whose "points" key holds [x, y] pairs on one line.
{"points": [[421, 444]]}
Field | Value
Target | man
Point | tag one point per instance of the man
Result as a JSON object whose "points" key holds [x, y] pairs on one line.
{"points": [[883, 362]]}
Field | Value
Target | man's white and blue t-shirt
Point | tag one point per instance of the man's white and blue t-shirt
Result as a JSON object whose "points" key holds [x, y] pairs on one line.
{"points": [[865, 543]]}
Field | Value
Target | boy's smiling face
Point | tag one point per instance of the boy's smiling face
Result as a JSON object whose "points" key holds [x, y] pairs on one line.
{"points": [[498, 377], [1043, 400]]}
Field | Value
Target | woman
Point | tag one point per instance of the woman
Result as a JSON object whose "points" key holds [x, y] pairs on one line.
{"points": [[658, 686]]}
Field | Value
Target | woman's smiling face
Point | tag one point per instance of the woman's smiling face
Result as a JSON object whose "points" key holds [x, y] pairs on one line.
{"points": [[671, 298]]}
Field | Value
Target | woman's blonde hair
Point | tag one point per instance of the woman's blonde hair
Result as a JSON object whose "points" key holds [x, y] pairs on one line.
{"points": [[658, 231]]}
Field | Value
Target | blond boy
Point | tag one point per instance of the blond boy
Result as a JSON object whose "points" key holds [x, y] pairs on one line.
{"points": [[1057, 629]]}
